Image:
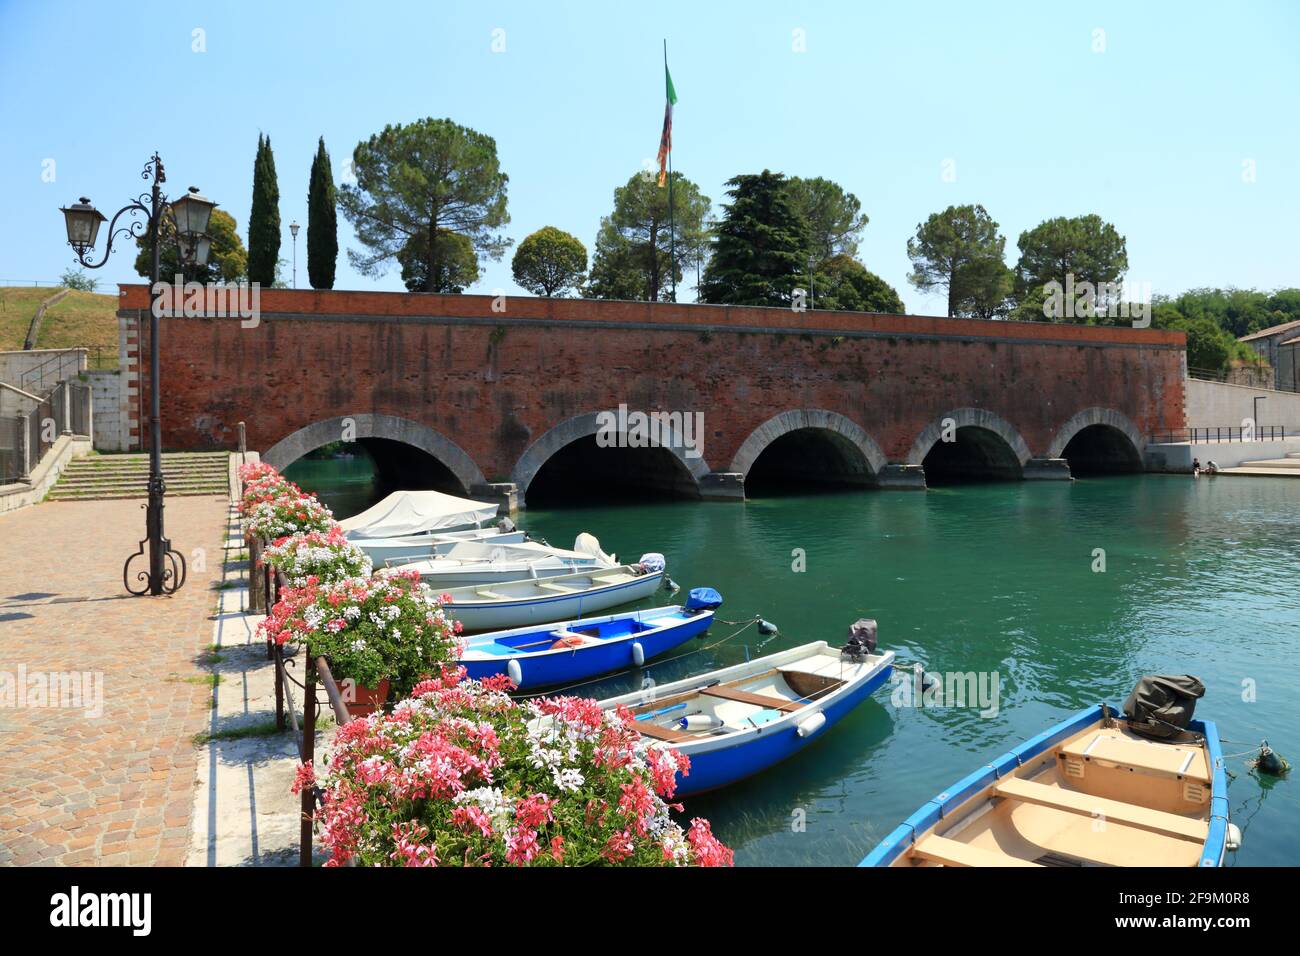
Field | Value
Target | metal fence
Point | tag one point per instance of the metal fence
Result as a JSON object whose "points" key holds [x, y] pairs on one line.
{"points": [[27, 437], [1204, 434]]}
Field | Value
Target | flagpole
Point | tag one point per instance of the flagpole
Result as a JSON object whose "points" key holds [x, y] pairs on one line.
{"points": [[672, 231]]}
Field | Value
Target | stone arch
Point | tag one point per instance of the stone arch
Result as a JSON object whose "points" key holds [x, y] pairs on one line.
{"points": [[582, 426], [368, 425], [813, 418], [1096, 416], [970, 418]]}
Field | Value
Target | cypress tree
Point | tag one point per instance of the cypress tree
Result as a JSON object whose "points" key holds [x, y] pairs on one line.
{"points": [[264, 220], [322, 222]]}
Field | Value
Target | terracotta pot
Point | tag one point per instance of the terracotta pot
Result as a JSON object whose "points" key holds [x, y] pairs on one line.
{"points": [[366, 700]]}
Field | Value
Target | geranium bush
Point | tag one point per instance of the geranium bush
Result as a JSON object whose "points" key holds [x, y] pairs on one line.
{"points": [[262, 482], [286, 514], [385, 627], [325, 556], [461, 775]]}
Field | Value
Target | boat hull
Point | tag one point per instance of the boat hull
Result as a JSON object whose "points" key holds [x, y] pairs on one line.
{"points": [[550, 668], [413, 547], [500, 615]]}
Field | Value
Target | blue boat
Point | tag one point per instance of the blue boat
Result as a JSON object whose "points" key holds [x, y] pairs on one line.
{"points": [[737, 721], [1087, 792], [572, 651]]}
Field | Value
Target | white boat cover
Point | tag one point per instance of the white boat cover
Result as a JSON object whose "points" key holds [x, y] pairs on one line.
{"points": [[415, 512]]}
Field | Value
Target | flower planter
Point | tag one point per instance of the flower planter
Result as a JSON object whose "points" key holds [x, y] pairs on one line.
{"points": [[365, 700]]}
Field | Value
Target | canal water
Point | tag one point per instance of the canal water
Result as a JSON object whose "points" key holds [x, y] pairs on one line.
{"points": [[1200, 577]]}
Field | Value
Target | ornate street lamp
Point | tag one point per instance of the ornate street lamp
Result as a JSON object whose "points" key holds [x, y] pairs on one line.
{"points": [[189, 215], [293, 228]]}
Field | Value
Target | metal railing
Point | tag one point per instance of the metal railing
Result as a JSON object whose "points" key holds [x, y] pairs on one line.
{"points": [[1204, 434], [59, 366], [316, 671], [27, 437]]}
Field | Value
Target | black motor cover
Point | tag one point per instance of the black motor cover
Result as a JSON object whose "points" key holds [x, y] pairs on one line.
{"points": [[1161, 705]]}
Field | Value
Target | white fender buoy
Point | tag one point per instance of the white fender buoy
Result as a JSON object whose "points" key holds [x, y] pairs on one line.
{"points": [[515, 672], [1234, 837], [700, 722], [638, 653], [811, 725]]}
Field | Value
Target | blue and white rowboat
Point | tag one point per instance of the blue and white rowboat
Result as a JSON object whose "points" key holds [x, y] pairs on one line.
{"points": [[1087, 792], [740, 720], [576, 650]]}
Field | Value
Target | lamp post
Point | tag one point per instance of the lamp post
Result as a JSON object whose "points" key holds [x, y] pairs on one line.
{"points": [[189, 218], [293, 229]]}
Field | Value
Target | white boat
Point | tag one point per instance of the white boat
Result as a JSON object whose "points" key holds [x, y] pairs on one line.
{"points": [[413, 547], [418, 524], [560, 598], [481, 562]]}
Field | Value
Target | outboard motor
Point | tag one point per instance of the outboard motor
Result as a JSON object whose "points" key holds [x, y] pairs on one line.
{"points": [[702, 599], [862, 640], [652, 562], [505, 526], [1161, 705]]}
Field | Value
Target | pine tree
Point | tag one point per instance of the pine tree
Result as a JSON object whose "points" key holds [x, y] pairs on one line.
{"points": [[264, 220], [759, 257], [322, 222]]}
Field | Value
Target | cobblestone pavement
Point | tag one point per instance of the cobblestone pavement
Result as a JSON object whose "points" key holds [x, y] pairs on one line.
{"points": [[114, 787]]}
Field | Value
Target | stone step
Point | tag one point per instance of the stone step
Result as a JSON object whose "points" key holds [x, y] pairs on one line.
{"points": [[1248, 470], [97, 477], [1290, 463], [56, 495]]}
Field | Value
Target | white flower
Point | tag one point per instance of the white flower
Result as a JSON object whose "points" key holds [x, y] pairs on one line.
{"points": [[567, 778]]}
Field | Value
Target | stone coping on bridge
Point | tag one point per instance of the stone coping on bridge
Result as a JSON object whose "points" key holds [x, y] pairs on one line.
{"points": [[339, 305]]}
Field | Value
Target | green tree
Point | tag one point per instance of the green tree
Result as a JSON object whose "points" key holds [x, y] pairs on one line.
{"points": [[1086, 247], [835, 218], [419, 182], [322, 221], [960, 251], [844, 283], [227, 258], [633, 258], [549, 261], [759, 255], [1208, 346], [264, 219], [78, 280], [455, 264]]}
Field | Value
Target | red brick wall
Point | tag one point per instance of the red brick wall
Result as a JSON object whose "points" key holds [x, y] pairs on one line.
{"points": [[493, 381]]}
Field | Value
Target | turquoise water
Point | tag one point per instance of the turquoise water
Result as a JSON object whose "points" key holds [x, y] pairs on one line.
{"points": [[1200, 577]]}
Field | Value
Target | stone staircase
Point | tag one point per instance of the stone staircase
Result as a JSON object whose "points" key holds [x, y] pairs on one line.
{"points": [[1288, 467], [95, 477]]}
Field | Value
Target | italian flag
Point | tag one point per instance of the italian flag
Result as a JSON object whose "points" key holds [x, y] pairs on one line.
{"points": [[666, 137]]}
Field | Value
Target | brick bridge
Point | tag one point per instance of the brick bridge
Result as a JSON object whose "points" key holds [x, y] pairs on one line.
{"points": [[448, 391]]}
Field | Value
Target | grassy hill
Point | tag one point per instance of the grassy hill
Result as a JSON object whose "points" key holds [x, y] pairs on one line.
{"points": [[81, 318]]}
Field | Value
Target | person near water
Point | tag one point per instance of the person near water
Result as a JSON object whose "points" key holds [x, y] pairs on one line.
{"points": [[1196, 467]]}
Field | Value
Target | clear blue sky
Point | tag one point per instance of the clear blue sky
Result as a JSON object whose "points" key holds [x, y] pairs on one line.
{"points": [[1151, 134]]}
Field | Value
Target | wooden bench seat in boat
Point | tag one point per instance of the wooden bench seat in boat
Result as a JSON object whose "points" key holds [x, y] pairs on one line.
{"points": [[758, 700], [647, 729], [1128, 814], [557, 588], [609, 578], [1114, 747], [489, 594], [939, 849]]}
